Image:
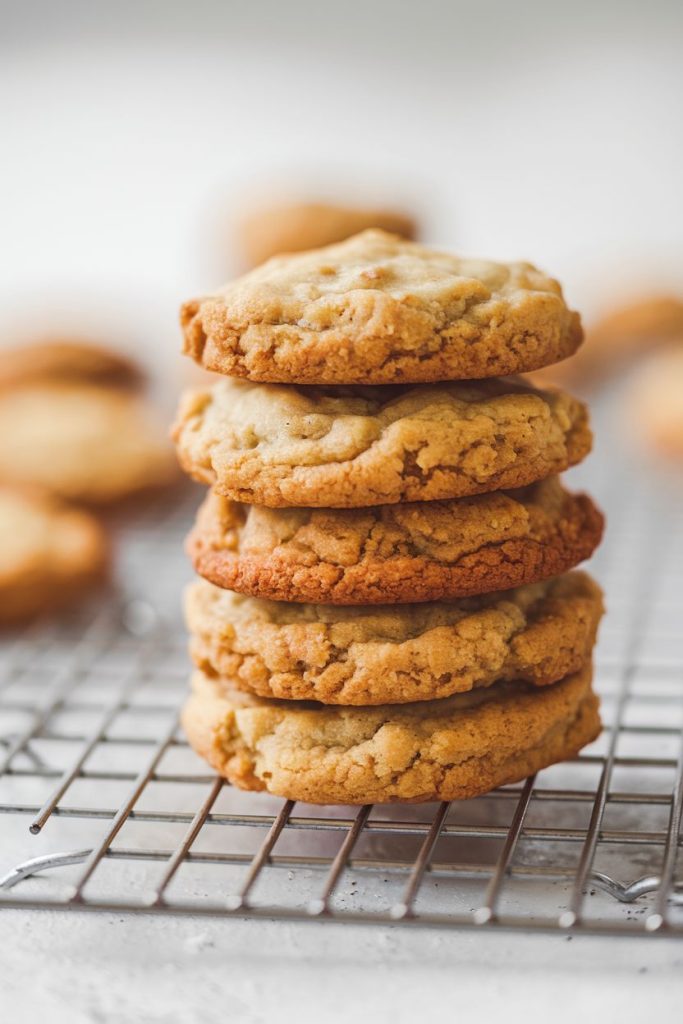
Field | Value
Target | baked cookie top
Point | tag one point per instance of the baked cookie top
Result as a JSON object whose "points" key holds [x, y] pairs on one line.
{"points": [[449, 749], [49, 553], [285, 227], [350, 447], [393, 654], [82, 442], [378, 309], [426, 551]]}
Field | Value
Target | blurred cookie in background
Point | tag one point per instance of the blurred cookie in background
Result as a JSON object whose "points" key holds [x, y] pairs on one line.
{"points": [[655, 405], [623, 335], [271, 229], [85, 443], [633, 330], [67, 359], [51, 555], [72, 423]]}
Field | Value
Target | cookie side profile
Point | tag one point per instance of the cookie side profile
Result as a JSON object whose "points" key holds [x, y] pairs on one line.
{"points": [[427, 551], [50, 555], [451, 749], [377, 309], [269, 230], [81, 442], [354, 447], [393, 654]]}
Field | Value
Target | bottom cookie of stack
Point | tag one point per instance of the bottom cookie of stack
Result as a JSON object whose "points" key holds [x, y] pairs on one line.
{"points": [[447, 749]]}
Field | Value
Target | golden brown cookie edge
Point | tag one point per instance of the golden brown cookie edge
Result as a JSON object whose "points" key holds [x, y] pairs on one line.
{"points": [[558, 721], [556, 640], [496, 566]]}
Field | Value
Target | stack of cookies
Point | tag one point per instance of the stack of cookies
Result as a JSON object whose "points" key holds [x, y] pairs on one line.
{"points": [[385, 609]]}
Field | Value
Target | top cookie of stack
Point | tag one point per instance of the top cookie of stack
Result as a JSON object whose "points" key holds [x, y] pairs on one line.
{"points": [[377, 309]]}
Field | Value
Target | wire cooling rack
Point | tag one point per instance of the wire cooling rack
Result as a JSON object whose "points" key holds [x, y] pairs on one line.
{"points": [[103, 806]]}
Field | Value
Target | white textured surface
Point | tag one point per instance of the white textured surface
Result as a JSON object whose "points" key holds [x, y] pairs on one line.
{"points": [[79, 969]]}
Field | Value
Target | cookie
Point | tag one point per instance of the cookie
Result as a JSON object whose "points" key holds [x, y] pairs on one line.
{"points": [[292, 227], [284, 446], [427, 551], [450, 749], [377, 309], [620, 337], [655, 404], [50, 555], [393, 654], [66, 360], [86, 443]]}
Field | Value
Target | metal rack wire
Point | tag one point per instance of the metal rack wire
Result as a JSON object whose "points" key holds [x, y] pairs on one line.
{"points": [[124, 817]]}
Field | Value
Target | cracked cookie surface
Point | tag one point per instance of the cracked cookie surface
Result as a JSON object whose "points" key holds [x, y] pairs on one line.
{"points": [[450, 749], [393, 654], [377, 309], [426, 551], [353, 447], [50, 554]]}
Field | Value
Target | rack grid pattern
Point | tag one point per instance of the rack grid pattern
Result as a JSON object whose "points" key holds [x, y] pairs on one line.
{"points": [[103, 806]]}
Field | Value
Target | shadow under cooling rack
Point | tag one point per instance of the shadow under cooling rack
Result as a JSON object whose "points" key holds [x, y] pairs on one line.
{"points": [[105, 807]]}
